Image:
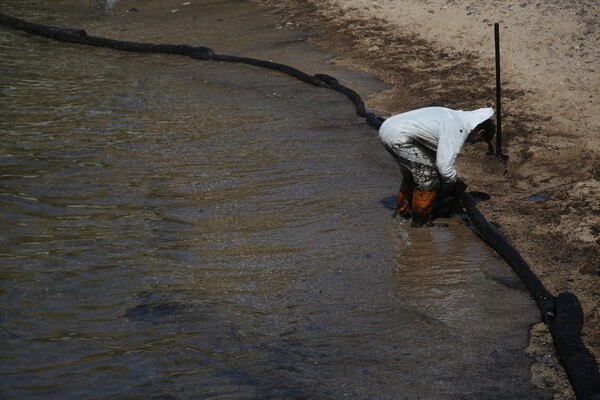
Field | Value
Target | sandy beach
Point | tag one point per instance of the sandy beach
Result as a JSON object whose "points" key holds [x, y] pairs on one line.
{"points": [[546, 200]]}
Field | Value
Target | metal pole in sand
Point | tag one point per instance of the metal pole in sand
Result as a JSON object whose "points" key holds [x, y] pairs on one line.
{"points": [[498, 96]]}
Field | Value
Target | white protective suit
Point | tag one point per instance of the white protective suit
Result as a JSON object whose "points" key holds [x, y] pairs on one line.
{"points": [[433, 132]]}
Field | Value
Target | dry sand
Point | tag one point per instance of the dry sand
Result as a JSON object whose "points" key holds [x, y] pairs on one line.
{"points": [[442, 51]]}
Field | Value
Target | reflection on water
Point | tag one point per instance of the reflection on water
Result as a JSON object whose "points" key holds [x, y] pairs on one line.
{"points": [[110, 3], [178, 229]]}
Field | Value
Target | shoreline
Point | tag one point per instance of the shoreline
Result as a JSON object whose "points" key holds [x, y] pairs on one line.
{"points": [[443, 52], [398, 97]]}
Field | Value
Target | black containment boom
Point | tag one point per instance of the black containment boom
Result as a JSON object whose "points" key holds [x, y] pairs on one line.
{"points": [[499, 154]]}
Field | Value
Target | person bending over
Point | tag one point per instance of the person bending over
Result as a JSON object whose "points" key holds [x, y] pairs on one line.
{"points": [[425, 143]]}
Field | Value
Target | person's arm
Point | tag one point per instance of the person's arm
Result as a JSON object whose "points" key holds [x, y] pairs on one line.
{"points": [[448, 148]]}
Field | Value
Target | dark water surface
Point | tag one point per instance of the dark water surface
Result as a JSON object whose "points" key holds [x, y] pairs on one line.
{"points": [[178, 229]]}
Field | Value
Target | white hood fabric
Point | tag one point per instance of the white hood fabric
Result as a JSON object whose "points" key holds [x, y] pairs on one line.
{"points": [[440, 129]]}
